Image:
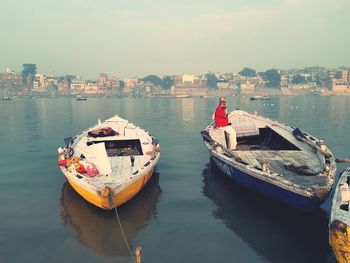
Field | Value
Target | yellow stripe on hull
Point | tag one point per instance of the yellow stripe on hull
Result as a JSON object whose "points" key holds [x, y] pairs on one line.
{"points": [[106, 198], [340, 241]]}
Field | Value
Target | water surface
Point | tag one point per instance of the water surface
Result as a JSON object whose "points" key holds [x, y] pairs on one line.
{"points": [[188, 213]]}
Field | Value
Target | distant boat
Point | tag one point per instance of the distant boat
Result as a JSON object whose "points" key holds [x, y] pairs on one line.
{"points": [[109, 163], [260, 97], [182, 96], [339, 224], [6, 98], [81, 98], [276, 160]]}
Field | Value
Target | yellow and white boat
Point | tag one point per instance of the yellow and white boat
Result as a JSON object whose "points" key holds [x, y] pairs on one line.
{"points": [[109, 163], [339, 224]]}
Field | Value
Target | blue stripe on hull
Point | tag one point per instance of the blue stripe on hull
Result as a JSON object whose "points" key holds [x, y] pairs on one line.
{"points": [[282, 195]]}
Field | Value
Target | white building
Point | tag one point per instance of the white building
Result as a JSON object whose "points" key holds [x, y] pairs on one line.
{"points": [[39, 83], [188, 79]]}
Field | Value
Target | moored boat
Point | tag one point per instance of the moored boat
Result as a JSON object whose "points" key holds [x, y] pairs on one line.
{"points": [[339, 224], [260, 97], [274, 159], [80, 98], [109, 163]]}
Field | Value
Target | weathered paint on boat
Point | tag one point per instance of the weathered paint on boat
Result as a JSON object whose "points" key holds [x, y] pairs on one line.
{"points": [[252, 168], [339, 227], [108, 199], [298, 201], [339, 233], [129, 172]]}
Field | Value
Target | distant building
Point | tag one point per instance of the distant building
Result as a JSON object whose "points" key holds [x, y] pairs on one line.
{"points": [[223, 84], [129, 84], [63, 86], [77, 85], [247, 87], [342, 86], [39, 83], [304, 86], [188, 89], [91, 88], [10, 80], [102, 80], [190, 79]]}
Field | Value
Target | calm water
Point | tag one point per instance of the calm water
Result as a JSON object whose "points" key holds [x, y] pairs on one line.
{"points": [[188, 213]]}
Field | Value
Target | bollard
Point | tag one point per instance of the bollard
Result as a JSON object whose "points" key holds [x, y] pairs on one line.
{"points": [[138, 254]]}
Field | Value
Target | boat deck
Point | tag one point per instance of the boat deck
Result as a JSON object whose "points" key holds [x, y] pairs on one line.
{"points": [[296, 161]]}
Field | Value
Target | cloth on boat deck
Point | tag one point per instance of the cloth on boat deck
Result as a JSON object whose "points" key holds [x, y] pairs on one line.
{"points": [[102, 132], [231, 139], [97, 155], [79, 165]]}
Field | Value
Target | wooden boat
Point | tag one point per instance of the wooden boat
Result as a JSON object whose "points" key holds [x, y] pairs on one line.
{"points": [[339, 227], [109, 163], [260, 97], [274, 159], [81, 98]]}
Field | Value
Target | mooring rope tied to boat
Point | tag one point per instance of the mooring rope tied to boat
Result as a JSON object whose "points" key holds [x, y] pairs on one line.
{"points": [[126, 241]]}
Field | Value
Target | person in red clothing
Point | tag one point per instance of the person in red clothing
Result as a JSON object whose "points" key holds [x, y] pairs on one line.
{"points": [[222, 122]]}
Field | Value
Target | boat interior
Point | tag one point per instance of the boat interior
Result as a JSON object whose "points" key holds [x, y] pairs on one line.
{"points": [[123, 155], [267, 139], [273, 148], [121, 147]]}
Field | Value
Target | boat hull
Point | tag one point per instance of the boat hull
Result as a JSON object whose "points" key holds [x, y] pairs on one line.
{"points": [[339, 237], [108, 198], [269, 190]]}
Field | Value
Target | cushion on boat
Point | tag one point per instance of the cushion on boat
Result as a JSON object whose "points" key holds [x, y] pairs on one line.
{"points": [[217, 135], [344, 192], [245, 128]]}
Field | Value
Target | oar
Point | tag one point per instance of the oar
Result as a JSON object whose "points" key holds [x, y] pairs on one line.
{"points": [[345, 160]]}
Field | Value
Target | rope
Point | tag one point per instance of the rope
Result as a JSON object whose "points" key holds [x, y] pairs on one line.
{"points": [[126, 242]]}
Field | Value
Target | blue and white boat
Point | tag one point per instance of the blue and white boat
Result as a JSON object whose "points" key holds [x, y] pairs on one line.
{"points": [[274, 159]]}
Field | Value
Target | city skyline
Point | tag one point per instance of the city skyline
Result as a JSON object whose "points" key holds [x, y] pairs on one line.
{"points": [[165, 38]]}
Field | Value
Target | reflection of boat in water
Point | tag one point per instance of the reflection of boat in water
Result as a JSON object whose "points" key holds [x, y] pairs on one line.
{"points": [[274, 159], [99, 230], [339, 229], [270, 229]]}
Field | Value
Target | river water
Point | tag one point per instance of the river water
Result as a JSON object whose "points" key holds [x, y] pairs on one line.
{"points": [[189, 212]]}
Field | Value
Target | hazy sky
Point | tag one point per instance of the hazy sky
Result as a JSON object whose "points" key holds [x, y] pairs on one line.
{"points": [[141, 37]]}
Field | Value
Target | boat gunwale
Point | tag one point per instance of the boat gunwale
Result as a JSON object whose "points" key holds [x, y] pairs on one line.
{"points": [[124, 184], [276, 178]]}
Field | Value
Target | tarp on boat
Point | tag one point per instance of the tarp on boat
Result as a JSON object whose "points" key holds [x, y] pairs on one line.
{"points": [[96, 154]]}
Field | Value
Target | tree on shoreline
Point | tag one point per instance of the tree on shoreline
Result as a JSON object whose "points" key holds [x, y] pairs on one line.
{"points": [[247, 72], [298, 79], [272, 78], [154, 79], [167, 82], [212, 80]]}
